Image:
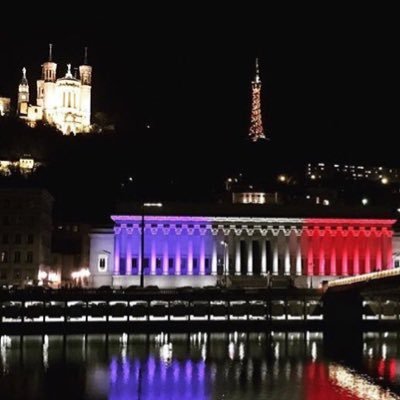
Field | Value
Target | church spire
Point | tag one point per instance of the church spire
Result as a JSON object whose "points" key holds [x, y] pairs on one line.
{"points": [[24, 81], [50, 52], [256, 131], [85, 58]]}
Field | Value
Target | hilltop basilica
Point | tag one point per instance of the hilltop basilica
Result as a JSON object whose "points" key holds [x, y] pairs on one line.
{"points": [[62, 102]]}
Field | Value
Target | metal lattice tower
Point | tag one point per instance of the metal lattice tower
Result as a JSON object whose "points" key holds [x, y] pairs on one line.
{"points": [[256, 131]]}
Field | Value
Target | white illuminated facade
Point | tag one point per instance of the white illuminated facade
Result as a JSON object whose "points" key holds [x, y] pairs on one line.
{"points": [[194, 251], [4, 106], [64, 102]]}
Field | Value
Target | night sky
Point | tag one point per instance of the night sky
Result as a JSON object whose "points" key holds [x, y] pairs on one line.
{"points": [[330, 83]]}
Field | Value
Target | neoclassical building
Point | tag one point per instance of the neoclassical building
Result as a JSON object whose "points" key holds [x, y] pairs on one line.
{"points": [[242, 242]]}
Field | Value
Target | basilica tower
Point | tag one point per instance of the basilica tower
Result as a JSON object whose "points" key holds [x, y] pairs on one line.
{"points": [[85, 73], [23, 95], [46, 96]]}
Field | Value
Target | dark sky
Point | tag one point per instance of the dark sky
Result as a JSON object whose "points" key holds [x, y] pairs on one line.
{"points": [[330, 76]]}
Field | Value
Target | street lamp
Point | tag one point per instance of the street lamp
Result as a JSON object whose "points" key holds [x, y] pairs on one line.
{"points": [[144, 205]]}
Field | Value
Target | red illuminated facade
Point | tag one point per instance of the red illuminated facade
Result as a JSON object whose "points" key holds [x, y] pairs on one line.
{"points": [[347, 246]]}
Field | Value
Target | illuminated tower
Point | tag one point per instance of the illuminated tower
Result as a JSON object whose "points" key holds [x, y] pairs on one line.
{"points": [[23, 95], [46, 87], [85, 74], [256, 131]]}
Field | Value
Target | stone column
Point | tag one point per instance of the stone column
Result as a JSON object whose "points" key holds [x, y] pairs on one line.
{"points": [[129, 232], [321, 252], [263, 257], [367, 262], [165, 256], [310, 252], [202, 255], [275, 256], [214, 256], [387, 249], [333, 269], [153, 255], [345, 267], [117, 249], [378, 241], [237, 256], [287, 253], [178, 258], [190, 257], [298, 253], [249, 257], [356, 252]]}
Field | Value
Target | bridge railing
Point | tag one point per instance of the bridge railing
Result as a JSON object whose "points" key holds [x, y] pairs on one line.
{"points": [[364, 277]]}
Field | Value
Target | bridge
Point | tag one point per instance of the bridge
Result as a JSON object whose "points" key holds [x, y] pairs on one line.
{"points": [[367, 302]]}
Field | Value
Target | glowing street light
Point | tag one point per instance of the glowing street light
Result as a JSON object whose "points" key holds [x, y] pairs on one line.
{"points": [[364, 201], [384, 180]]}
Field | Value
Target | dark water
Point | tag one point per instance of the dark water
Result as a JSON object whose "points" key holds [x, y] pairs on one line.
{"points": [[195, 367]]}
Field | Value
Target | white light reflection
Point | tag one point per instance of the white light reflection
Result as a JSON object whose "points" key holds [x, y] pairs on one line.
{"points": [[231, 350], [166, 352], [357, 385], [46, 352], [276, 351], [241, 351], [5, 343], [314, 351], [384, 351]]}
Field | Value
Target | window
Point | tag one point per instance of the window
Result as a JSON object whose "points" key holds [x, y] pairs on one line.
{"points": [[17, 257], [17, 274], [3, 275], [30, 238], [134, 263], [29, 257], [5, 239], [170, 263], [6, 220], [18, 238], [3, 257], [102, 262]]}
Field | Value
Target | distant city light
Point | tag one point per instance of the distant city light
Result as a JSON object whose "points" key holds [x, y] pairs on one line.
{"points": [[398, 210], [130, 179], [313, 177], [282, 178], [384, 180], [364, 201], [326, 202], [152, 204]]}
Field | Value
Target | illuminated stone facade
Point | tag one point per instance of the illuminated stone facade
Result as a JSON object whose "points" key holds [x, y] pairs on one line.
{"points": [[195, 251], [4, 106], [64, 102]]}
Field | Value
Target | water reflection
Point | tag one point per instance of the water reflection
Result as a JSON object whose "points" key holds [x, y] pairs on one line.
{"points": [[194, 366]]}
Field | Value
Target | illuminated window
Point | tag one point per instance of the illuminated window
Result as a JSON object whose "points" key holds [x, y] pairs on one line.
{"points": [[3, 257], [102, 262]]}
